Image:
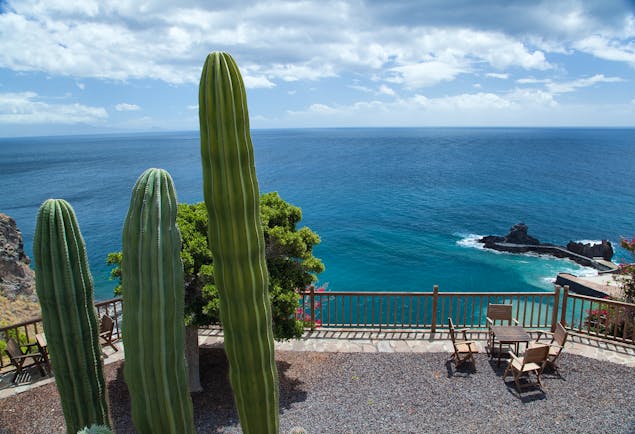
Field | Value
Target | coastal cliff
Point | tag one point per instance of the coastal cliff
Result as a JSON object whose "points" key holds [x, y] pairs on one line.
{"points": [[519, 241], [18, 300]]}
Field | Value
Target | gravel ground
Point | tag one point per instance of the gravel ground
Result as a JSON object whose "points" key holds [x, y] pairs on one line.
{"points": [[382, 393]]}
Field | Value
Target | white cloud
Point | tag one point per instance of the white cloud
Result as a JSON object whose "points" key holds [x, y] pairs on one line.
{"points": [[26, 108], [81, 86], [395, 49], [502, 76], [254, 82], [285, 41], [385, 90], [571, 86], [125, 107], [607, 48], [530, 80], [424, 74], [360, 88], [463, 102]]}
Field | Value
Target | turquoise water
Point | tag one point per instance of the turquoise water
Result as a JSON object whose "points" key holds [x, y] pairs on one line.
{"points": [[397, 209]]}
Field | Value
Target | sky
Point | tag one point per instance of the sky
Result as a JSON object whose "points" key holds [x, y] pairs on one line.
{"points": [[92, 66]]}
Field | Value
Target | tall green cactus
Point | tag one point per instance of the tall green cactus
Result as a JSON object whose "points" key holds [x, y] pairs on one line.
{"points": [[153, 303], [237, 242], [65, 289]]}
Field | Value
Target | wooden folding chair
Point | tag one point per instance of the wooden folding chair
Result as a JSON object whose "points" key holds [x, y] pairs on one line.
{"points": [[533, 360], [556, 343], [106, 327], [20, 359], [501, 313], [464, 350]]}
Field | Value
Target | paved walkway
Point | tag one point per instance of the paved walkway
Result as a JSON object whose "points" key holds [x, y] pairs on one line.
{"points": [[347, 341]]}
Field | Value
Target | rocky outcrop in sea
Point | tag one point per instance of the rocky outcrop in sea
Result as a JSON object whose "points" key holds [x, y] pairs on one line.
{"points": [[17, 279], [519, 241]]}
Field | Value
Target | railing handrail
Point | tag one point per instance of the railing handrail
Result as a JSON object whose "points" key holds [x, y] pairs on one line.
{"points": [[37, 319], [428, 293], [601, 300]]}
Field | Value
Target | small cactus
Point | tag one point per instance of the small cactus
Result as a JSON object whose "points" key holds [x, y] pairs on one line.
{"points": [[95, 429], [64, 287], [237, 243], [153, 303]]}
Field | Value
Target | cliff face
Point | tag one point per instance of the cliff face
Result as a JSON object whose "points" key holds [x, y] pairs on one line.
{"points": [[16, 277]]}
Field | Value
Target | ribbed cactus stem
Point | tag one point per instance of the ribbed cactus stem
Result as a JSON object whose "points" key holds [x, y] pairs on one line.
{"points": [[153, 303], [65, 289], [237, 242]]}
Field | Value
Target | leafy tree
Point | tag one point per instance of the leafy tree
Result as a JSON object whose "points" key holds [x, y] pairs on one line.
{"points": [[289, 254]]}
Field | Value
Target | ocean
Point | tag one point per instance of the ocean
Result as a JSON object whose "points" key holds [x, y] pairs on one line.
{"points": [[397, 209]]}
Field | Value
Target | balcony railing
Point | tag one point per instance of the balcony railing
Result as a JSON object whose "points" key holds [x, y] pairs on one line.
{"points": [[597, 317], [25, 331], [430, 310]]}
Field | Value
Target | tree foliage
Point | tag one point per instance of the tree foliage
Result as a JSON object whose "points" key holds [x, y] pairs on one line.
{"points": [[289, 254]]}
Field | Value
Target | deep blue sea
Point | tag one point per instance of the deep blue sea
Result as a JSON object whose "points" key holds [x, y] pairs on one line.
{"points": [[397, 209]]}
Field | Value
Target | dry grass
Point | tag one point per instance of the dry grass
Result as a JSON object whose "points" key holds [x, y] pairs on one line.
{"points": [[12, 312]]}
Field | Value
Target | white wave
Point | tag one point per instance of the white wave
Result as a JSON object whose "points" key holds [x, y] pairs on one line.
{"points": [[592, 242], [470, 240]]}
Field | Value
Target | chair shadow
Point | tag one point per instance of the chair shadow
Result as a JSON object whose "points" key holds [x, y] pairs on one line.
{"points": [[29, 376], [464, 370], [214, 407], [526, 395]]}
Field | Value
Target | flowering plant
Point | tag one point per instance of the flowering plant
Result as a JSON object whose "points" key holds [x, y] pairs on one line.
{"points": [[627, 272], [303, 312], [598, 320]]}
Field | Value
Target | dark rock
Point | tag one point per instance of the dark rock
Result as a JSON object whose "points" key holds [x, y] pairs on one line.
{"points": [[16, 277], [517, 235], [603, 250], [518, 241]]}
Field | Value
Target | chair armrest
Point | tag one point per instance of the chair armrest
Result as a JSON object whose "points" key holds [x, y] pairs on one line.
{"points": [[513, 356], [26, 356], [463, 332], [515, 321], [541, 333], [556, 345], [489, 321]]}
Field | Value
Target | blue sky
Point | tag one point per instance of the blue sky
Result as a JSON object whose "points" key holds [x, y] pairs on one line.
{"points": [[93, 66]]}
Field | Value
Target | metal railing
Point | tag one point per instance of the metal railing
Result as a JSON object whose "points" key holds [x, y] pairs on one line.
{"points": [[25, 331]]}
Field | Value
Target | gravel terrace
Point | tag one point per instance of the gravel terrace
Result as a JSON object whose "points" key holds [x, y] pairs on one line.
{"points": [[381, 393]]}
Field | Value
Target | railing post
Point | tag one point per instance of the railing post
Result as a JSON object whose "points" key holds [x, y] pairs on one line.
{"points": [[563, 315], [554, 312], [435, 304], [312, 300]]}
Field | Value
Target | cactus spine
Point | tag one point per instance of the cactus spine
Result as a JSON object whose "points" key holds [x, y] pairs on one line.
{"points": [[65, 289], [153, 303], [237, 242]]}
